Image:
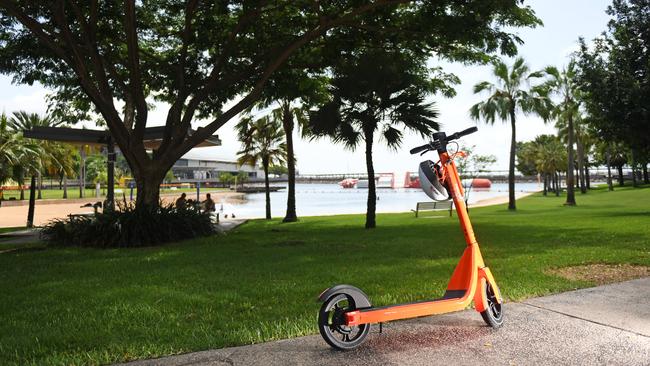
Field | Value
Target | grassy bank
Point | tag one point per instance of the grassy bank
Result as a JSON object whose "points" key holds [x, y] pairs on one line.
{"points": [[84, 306]]}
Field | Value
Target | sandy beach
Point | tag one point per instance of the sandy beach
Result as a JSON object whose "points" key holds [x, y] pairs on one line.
{"points": [[14, 216]]}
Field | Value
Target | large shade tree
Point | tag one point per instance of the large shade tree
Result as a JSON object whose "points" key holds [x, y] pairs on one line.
{"points": [[508, 96], [614, 76], [377, 94], [210, 60]]}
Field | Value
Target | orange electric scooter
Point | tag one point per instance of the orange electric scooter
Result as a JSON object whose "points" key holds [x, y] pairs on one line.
{"points": [[346, 314]]}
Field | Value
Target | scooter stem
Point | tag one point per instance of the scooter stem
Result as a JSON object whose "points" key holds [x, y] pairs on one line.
{"points": [[458, 195]]}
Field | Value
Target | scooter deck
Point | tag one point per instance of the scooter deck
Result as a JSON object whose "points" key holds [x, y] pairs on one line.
{"points": [[451, 301]]}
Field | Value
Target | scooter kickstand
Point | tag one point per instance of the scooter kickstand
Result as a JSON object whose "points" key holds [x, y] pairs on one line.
{"points": [[381, 328]]}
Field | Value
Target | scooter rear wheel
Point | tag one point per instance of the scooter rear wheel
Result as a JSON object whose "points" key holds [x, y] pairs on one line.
{"points": [[493, 315], [331, 324]]}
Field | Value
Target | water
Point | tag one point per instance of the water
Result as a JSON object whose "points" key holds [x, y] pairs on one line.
{"points": [[331, 199]]}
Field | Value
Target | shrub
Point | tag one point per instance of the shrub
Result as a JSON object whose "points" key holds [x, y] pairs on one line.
{"points": [[129, 226]]}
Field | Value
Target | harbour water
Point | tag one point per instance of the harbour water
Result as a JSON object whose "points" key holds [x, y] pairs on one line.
{"points": [[331, 199]]}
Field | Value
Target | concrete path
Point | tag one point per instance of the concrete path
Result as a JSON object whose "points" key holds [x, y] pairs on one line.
{"points": [[20, 236], [606, 325]]}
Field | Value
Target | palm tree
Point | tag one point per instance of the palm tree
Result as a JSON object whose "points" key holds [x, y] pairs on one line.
{"points": [[507, 98], [262, 141], [550, 160], [584, 143], [376, 94], [564, 85], [17, 156], [22, 121], [62, 164], [289, 114]]}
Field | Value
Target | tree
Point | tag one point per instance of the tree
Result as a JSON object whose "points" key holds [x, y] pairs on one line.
{"points": [[211, 60], [262, 142], [474, 163], [23, 121], [615, 78], [582, 142], [564, 85], [13, 150], [278, 170], [506, 99], [377, 92]]}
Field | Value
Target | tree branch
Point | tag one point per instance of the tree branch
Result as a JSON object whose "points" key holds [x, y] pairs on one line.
{"points": [[205, 132], [135, 82]]}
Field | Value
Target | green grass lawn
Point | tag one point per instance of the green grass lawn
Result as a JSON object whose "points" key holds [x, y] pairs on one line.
{"points": [[260, 282]]}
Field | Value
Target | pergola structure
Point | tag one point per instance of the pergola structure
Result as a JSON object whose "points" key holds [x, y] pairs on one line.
{"points": [[153, 137]]}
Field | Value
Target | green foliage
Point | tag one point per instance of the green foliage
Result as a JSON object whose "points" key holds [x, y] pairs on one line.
{"points": [[262, 141], [226, 178], [474, 163], [544, 155], [129, 227], [615, 76], [377, 91], [96, 168], [169, 177], [278, 169], [508, 97]]}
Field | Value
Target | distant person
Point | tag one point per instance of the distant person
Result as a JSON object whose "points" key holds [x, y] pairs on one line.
{"points": [[181, 202], [208, 204]]}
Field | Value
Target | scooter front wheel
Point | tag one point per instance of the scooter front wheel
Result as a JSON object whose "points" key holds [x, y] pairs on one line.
{"points": [[331, 324], [493, 315]]}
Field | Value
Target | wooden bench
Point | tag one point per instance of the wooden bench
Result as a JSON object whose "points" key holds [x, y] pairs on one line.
{"points": [[434, 206]]}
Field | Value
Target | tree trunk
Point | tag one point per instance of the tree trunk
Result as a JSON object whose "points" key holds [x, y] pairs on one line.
{"points": [[621, 179], [32, 203], [21, 185], [608, 157], [646, 179], [577, 175], [570, 193], [372, 193], [557, 184], [267, 188], [635, 181], [545, 184], [65, 186], [40, 185], [82, 163], [581, 167], [287, 124], [511, 169], [148, 185], [587, 178]]}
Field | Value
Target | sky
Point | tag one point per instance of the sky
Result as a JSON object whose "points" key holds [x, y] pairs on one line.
{"points": [[550, 44]]}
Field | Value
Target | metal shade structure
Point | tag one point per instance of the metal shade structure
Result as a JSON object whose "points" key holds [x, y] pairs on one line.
{"points": [[153, 137]]}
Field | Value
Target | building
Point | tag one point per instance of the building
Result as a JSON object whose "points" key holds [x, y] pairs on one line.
{"points": [[188, 168]]}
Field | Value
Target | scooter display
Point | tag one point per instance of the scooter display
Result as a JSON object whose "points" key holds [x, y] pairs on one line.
{"points": [[345, 317]]}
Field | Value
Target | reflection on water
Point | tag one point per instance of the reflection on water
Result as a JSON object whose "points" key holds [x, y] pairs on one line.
{"points": [[330, 199]]}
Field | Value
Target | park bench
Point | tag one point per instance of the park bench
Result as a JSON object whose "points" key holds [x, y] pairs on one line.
{"points": [[434, 206]]}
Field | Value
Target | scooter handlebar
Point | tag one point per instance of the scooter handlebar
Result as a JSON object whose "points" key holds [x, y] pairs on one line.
{"points": [[462, 133], [418, 149]]}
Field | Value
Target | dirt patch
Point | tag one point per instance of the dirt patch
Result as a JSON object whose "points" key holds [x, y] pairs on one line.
{"points": [[601, 274]]}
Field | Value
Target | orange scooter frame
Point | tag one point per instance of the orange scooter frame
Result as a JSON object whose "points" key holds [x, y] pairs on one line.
{"points": [[346, 313]]}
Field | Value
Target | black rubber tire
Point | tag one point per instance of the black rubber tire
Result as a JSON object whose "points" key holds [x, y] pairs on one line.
{"points": [[331, 327], [493, 315]]}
